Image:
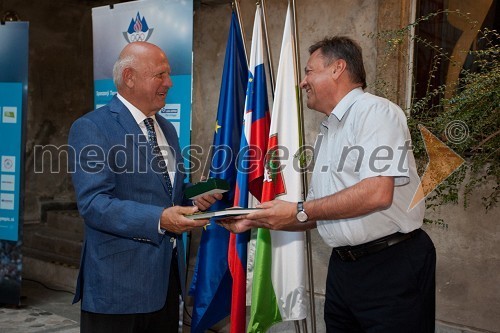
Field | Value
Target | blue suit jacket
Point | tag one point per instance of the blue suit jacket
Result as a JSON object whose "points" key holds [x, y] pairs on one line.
{"points": [[125, 262]]}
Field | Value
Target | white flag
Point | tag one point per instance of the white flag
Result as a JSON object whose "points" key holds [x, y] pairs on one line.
{"points": [[278, 291]]}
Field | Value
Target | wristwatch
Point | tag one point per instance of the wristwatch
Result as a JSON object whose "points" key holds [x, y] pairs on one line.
{"points": [[301, 213]]}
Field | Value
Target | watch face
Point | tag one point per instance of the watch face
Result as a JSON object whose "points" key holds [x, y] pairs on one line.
{"points": [[302, 216]]}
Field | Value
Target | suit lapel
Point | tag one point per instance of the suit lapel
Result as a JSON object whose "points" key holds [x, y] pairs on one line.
{"points": [[124, 118], [127, 121]]}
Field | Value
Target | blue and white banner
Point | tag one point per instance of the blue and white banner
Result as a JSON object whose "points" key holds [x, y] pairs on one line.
{"points": [[13, 109], [165, 23], [11, 112]]}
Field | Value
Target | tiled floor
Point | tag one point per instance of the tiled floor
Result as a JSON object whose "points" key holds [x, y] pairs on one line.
{"points": [[42, 311], [45, 311]]}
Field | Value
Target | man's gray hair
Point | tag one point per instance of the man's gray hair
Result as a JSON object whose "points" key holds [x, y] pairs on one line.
{"points": [[119, 67]]}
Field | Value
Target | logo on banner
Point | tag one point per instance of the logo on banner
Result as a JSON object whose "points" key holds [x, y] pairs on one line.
{"points": [[138, 30], [8, 164], [7, 182], [7, 201], [9, 114], [171, 111]]}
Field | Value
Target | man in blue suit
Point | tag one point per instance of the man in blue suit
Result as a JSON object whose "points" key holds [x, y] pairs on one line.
{"points": [[129, 185]]}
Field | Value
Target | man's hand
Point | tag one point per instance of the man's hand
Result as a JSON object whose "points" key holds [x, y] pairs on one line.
{"points": [[275, 215], [204, 202], [173, 219]]}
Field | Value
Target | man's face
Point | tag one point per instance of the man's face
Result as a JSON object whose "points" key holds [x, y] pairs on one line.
{"points": [[151, 84], [318, 84]]}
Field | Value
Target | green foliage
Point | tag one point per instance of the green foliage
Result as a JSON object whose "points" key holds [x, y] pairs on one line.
{"points": [[468, 122]]}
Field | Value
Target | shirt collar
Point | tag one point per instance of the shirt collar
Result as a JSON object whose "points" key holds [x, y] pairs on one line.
{"points": [[136, 113], [346, 102]]}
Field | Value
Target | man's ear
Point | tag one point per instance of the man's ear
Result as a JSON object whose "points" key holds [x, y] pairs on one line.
{"points": [[128, 77], [338, 67]]}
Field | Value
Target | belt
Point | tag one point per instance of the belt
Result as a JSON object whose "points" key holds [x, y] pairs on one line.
{"points": [[353, 253]]}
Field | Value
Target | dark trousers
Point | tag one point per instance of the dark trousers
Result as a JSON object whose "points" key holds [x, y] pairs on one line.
{"points": [[164, 320], [389, 291]]}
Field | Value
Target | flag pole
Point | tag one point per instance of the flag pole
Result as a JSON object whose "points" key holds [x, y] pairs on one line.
{"points": [[236, 6], [310, 274], [268, 48]]}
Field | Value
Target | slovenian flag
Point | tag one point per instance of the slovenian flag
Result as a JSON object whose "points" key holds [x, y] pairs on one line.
{"points": [[278, 290], [212, 283], [253, 147]]}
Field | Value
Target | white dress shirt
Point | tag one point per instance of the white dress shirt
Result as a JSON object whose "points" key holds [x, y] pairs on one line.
{"points": [[365, 136]]}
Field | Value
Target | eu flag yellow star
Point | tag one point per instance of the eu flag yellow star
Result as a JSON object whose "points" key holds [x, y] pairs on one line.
{"points": [[217, 126]]}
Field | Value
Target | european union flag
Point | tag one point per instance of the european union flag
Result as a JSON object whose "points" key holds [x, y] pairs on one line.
{"points": [[212, 283]]}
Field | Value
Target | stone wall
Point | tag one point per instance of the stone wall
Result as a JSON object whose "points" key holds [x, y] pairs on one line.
{"points": [[468, 264], [60, 90]]}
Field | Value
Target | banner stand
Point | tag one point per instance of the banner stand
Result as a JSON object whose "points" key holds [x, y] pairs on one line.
{"points": [[13, 109]]}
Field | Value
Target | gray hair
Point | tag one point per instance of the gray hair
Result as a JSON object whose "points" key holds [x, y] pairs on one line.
{"points": [[120, 65]]}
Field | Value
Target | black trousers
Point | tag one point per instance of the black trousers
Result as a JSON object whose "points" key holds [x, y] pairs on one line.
{"points": [[162, 321], [389, 291]]}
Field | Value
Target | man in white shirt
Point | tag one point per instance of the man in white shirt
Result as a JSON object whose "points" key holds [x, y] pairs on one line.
{"points": [[381, 274]]}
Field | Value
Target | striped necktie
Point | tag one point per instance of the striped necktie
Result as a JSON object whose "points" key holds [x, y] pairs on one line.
{"points": [[149, 122]]}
